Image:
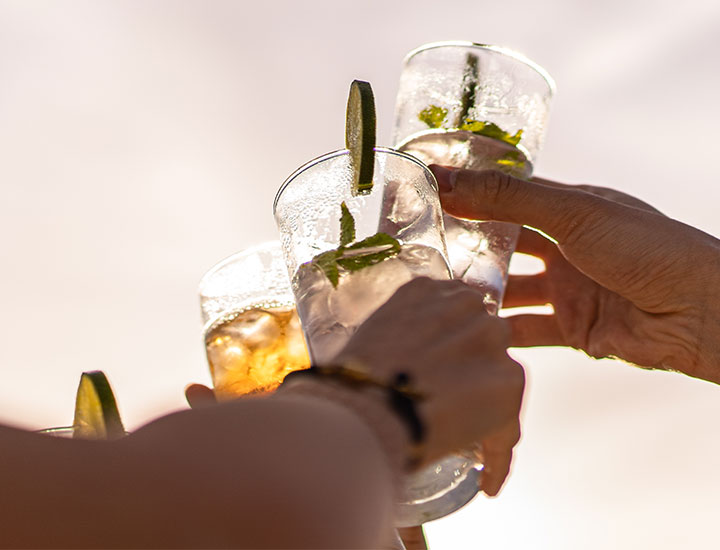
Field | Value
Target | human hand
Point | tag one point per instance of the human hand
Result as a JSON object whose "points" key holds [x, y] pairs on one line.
{"points": [[624, 280], [439, 334]]}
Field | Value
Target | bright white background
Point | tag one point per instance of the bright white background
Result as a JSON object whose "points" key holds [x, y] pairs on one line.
{"points": [[141, 142]]}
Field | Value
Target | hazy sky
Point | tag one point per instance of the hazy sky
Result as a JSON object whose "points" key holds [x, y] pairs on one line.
{"points": [[141, 142]]}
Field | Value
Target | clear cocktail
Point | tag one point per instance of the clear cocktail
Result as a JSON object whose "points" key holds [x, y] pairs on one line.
{"points": [[332, 314], [478, 107], [348, 252], [340, 279]]}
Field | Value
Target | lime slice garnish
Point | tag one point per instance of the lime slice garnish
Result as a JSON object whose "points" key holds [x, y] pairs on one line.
{"points": [[96, 412], [360, 126]]}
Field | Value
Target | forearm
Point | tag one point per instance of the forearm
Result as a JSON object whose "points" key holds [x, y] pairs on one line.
{"points": [[288, 473]]}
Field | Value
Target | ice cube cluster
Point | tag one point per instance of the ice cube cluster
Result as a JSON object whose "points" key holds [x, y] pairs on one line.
{"points": [[331, 315]]}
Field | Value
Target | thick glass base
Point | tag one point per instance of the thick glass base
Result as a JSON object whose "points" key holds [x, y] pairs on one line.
{"points": [[437, 491]]}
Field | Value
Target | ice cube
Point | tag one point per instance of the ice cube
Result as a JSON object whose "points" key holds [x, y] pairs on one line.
{"points": [[311, 287], [327, 339], [361, 292], [255, 328], [488, 275], [225, 353], [424, 261]]}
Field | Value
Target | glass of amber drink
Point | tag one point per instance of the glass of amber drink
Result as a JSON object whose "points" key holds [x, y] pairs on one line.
{"points": [[478, 107], [252, 333]]}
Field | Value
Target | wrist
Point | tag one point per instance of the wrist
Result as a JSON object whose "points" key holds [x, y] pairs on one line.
{"points": [[369, 404]]}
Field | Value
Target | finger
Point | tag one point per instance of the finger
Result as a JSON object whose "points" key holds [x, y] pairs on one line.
{"points": [[497, 451], [199, 396], [496, 467], [550, 183], [533, 243], [605, 192], [526, 290], [493, 195], [534, 330]]}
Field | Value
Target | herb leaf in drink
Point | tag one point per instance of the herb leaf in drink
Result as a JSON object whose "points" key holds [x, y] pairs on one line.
{"points": [[433, 116], [513, 159], [491, 130], [370, 251], [347, 225], [352, 256], [327, 263], [470, 83]]}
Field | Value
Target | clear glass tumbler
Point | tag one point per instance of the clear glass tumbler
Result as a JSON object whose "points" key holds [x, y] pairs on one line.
{"points": [[252, 332], [479, 107], [336, 288], [333, 300]]}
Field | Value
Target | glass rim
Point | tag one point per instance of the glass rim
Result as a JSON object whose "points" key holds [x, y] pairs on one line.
{"points": [[341, 152], [497, 49], [56, 430], [233, 257]]}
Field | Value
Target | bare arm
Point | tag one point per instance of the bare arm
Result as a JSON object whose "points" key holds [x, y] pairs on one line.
{"points": [[313, 466], [259, 473]]}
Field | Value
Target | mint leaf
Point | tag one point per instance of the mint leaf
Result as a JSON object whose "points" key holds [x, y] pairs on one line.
{"points": [[377, 240], [470, 82], [367, 252], [512, 159], [347, 225], [491, 130], [356, 256], [327, 263], [433, 116]]}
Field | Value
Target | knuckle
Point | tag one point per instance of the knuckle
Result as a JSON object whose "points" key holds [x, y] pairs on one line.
{"points": [[579, 216], [485, 189], [498, 187]]}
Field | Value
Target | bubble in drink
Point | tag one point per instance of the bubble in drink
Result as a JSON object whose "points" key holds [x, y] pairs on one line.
{"points": [[479, 251], [330, 315], [253, 350]]}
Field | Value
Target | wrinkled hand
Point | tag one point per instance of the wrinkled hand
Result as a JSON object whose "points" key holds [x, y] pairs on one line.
{"points": [[624, 280], [439, 334]]}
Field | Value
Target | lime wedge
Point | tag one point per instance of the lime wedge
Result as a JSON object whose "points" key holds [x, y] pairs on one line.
{"points": [[96, 412], [360, 126]]}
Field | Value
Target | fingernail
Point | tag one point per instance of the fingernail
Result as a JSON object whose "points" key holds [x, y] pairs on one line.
{"points": [[445, 176]]}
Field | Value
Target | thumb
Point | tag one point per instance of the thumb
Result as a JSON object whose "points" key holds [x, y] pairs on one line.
{"points": [[557, 211], [199, 396]]}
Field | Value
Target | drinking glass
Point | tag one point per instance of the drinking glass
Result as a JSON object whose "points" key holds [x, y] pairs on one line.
{"points": [[402, 204], [252, 333], [66, 432], [337, 288], [478, 107]]}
